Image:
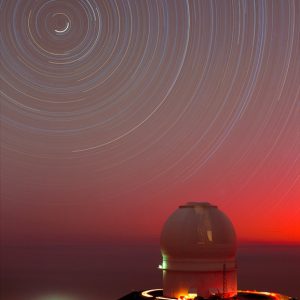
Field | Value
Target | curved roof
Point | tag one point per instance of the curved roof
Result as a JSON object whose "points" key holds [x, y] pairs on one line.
{"points": [[198, 230]]}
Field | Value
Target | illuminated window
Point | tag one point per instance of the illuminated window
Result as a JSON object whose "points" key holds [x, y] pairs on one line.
{"points": [[209, 235]]}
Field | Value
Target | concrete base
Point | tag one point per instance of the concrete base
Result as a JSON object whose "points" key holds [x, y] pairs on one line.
{"points": [[205, 284]]}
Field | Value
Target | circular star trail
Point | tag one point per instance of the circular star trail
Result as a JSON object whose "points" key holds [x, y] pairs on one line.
{"points": [[82, 66], [176, 98]]}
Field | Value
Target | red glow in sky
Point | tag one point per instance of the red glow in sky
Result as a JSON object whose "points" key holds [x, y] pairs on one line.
{"points": [[111, 122]]}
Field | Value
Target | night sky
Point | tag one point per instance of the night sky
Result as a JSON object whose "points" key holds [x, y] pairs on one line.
{"points": [[115, 112]]}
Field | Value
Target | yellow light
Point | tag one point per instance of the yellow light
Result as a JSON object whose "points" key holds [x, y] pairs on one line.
{"points": [[146, 293], [275, 296]]}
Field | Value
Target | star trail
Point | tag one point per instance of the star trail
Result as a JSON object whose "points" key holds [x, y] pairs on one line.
{"points": [[112, 108]]}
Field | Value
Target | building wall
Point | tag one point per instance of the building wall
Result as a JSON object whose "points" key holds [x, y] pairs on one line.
{"points": [[179, 283]]}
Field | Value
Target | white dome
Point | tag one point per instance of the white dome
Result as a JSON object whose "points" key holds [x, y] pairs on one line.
{"points": [[198, 230]]}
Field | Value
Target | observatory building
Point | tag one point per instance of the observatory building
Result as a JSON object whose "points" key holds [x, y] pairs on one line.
{"points": [[198, 247]]}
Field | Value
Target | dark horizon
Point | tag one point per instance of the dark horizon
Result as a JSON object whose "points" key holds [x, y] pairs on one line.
{"points": [[107, 272]]}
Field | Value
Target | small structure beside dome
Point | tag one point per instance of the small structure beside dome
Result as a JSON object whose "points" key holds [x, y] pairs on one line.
{"points": [[198, 246]]}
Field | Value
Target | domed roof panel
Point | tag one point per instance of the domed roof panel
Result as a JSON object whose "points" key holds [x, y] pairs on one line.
{"points": [[198, 230]]}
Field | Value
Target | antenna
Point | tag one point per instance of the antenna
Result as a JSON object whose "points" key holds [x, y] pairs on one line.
{"points": [[224, 281]]}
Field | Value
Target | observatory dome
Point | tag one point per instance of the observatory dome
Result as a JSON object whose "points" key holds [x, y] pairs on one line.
{"points": [[198, 245], [198, 230]]}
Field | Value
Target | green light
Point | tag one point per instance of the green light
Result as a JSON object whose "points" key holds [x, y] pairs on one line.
{"points": [[164, 264]]}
